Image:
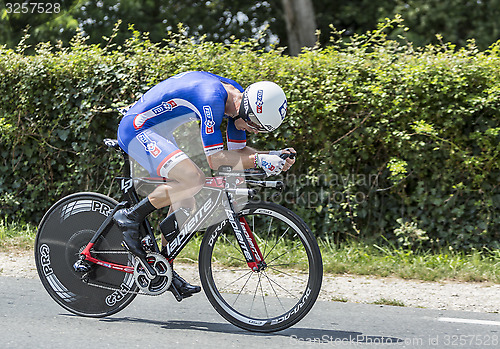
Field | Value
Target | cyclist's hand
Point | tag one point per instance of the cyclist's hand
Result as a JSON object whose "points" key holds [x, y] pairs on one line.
{"points": [[271, 164], [289, 161]]}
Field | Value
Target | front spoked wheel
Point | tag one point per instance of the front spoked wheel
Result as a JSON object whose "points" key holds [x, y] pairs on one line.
{"points": [[281, 293]]}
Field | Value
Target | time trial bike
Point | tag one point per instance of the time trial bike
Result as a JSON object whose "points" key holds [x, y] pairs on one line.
{"points": [[259, 263]]}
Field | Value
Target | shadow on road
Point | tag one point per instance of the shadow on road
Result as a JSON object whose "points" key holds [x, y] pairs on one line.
{"points": [[295, 334]]}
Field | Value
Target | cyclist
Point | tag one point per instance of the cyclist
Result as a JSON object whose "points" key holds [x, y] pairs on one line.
{"points": [[145, 133]]}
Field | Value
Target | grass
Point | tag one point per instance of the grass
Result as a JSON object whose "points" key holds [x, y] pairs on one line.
{"points": [[349, 258], [393, 302], [16, 236], [361, 259], [339, 299]]}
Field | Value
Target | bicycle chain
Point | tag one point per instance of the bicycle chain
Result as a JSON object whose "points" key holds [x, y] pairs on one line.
{"points": [[121, 290], [110, 252]]}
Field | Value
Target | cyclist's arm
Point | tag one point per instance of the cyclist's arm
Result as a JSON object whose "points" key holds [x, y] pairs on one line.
{"points": [[243, 158]]}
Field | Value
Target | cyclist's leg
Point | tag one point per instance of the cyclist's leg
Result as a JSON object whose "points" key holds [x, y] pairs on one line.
{"points": [[179, 194], [158, 153], [189, 203], [186, 181], [161, 157]]}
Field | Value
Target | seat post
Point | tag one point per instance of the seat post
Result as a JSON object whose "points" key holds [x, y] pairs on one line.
{"points": [[127, 165], [127, 170]]}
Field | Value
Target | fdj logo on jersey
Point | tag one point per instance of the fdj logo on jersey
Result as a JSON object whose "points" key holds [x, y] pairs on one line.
{"points": [[209, 120], [164, 107], [260, 103], [149, 144]]}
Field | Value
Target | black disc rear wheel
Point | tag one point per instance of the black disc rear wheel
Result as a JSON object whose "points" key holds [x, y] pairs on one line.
{"points": [[63, 233]]}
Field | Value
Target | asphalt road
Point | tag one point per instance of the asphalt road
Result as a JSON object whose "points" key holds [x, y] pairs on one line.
{"points": [[30, 319]]}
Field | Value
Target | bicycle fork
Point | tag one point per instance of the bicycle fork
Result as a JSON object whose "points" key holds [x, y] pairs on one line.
{"points": [[246, 239]]}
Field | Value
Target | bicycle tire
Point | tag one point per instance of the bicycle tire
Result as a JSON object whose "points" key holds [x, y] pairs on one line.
{"points": [[63, 233], [237, 299]]}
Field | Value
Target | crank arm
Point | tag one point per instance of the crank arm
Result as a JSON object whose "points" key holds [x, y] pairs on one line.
{"points": [[175, 292], [150, 272]]}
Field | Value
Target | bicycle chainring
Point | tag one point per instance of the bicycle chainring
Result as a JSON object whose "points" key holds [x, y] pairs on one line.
{"points": [[161, 282]]}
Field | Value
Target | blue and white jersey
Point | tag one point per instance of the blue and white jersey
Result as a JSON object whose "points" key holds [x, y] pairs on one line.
{"points": [[183, 97]]}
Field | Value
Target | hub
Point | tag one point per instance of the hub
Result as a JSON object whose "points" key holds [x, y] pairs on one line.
{"points": [[260, 267]]}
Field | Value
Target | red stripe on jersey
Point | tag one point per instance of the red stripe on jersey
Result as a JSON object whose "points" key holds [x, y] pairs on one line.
{"points": [[169, 156], [215, 145]]}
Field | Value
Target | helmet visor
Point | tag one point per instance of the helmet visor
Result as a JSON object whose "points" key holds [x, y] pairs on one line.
{"points": [[254, 123]]}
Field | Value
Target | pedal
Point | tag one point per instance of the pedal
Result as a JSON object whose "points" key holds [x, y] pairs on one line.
{"points": [[147, 244], [176, 293]]}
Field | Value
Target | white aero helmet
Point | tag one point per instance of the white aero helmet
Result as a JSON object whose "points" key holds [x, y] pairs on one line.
{"points": [[263, 106]]}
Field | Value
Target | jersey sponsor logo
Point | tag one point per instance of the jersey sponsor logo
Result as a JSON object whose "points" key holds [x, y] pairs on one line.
{"points": [[260, 102], [149, 144], [164, 107], [209, 120]]}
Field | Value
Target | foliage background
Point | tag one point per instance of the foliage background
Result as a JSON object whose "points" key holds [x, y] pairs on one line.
{"points": [[396, 143], [219, 20]]}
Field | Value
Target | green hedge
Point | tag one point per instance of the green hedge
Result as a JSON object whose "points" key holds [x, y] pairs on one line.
{"points": [[394, 142]]}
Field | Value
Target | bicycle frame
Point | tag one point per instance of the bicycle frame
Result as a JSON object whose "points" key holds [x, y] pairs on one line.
{"points": [[83, 266], [224, 189]]}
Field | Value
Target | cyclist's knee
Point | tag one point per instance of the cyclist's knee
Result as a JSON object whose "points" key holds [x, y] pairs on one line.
{"points": [[191, 177], [194, 180]]}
